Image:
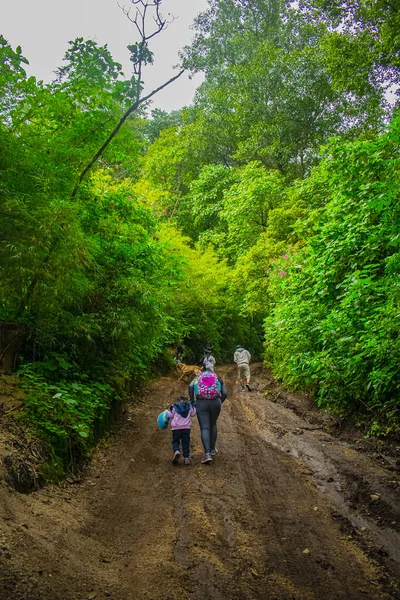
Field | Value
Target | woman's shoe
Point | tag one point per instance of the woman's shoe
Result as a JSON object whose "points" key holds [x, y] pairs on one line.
{"points": [[176, 457], [206, 458], [214, 452], [186, 461]]}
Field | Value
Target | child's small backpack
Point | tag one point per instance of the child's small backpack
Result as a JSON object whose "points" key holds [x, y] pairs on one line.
{"points": [[163, 420], [207, 386]]}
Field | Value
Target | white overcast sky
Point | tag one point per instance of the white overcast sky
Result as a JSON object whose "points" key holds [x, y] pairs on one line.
{"points": [[44, 27]]}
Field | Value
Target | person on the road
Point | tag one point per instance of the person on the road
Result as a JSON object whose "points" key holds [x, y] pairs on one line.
{"points": [[207, 361], [180, 417], [209, 392], [242, 358], [178, 353]]}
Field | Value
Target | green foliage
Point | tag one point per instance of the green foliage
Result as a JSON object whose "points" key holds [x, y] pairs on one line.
{"points": [[201, 211], [160, 119], [205, 310], [174, 160], [372, 27], [335, 318], [248, 204], [228, 208], [89, 65], [253, 270], [14, 85], [269, 92], [88, 277], [65, 414], [212, 223]]}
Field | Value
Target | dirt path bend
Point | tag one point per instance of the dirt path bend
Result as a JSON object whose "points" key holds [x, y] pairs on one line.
{"points": [[284, 512]]}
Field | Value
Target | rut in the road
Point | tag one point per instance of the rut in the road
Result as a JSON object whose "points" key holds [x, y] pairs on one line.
{"points": [[256, 524]]}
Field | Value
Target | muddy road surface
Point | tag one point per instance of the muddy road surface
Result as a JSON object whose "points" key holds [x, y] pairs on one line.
{"points": [[285, 511]]}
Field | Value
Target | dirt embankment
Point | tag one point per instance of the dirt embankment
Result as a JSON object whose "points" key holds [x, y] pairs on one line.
{"points": [[285, 511]]}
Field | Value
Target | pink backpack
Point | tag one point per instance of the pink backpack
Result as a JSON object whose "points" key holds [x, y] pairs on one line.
{"points": [[207, 386]]}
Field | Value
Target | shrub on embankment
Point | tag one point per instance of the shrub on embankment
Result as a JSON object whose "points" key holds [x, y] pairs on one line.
{"points": [[335, 317]]}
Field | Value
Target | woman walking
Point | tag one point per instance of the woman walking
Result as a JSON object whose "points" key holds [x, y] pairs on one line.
{"points": [[209, 392]]}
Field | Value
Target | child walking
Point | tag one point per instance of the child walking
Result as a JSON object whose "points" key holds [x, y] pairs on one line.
{"points": [[180, 417]]}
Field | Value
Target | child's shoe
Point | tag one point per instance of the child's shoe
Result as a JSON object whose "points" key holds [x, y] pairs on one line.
{"points": [[206, 458], [186, 461], [176, 457]]}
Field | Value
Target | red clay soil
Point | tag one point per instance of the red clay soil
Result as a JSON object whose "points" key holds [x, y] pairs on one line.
{"points": [[285, 511]]}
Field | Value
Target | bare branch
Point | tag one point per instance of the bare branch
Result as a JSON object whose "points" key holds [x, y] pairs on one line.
{"points": [[155, 32], [141, 8], [145, 98]]}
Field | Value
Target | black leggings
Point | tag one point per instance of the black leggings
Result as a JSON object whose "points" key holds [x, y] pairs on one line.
{"points": [[207, 414]]}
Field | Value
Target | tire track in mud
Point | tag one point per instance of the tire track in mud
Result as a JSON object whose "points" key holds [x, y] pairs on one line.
{"points": [[348, 477], [252, 525], [303, 549]]}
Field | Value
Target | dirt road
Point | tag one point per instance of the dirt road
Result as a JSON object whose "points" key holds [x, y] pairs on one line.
{"points": [[286, 511]]}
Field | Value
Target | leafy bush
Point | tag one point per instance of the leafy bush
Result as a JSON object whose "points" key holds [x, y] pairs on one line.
{"points": [[66, 414], [334, 326]]}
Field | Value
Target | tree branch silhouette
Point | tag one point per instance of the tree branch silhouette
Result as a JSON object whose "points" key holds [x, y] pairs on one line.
{"points": [[140, 57]]}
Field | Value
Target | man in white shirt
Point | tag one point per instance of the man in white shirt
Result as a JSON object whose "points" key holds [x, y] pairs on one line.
{"points": [[242, 358]]}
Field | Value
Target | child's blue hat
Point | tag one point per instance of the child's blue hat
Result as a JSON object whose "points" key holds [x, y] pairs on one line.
{"points": [[163, 420]]}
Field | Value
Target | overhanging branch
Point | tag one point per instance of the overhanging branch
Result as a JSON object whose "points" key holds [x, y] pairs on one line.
{"points": [[114, 132]]}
